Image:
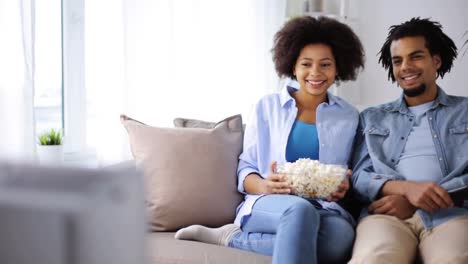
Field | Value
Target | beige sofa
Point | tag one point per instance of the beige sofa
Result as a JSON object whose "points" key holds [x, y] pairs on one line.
{"points": [[163, 248], [190, 178]]}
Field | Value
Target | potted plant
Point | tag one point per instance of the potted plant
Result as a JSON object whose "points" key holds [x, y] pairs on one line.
{"points": [[50, 148]]}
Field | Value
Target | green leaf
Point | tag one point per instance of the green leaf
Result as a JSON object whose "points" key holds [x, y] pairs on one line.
{"points": [[52, 137]]}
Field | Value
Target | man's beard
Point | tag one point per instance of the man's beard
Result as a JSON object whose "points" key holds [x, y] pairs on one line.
{"points": [[413, 92]]}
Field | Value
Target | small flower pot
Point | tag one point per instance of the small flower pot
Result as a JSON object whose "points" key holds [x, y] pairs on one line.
{"points": [[50, 154]]}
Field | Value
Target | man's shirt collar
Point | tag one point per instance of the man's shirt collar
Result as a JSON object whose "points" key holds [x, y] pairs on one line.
{"points": [[400, 105]]}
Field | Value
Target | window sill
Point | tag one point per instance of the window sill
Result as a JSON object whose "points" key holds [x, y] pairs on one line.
{"points": [[83, 159]]}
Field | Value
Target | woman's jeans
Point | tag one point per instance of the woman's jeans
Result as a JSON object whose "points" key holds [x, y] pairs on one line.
{"points": [[295, 230]]}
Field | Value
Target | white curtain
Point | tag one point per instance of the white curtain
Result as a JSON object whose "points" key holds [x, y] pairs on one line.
{"points": [[16, 80], [157, 60]]}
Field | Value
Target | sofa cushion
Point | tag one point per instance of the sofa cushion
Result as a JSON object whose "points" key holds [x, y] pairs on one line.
{"points": [[190, 173], [163, 248], [193, 123], [187, 122]]}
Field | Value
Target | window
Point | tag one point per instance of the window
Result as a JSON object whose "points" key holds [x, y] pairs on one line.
{"points": [[48, 103], [59, 93], [135, 51]]}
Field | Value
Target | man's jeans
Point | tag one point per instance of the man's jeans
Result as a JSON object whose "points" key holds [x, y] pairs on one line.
{"points": [[295, 230]]}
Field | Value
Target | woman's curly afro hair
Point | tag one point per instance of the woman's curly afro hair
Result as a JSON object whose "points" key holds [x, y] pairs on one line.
{"points": [[436, 42], [302, 31]]}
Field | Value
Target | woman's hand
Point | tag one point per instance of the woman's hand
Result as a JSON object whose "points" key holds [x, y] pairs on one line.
{"points": [[342, 189], [276, 183]]}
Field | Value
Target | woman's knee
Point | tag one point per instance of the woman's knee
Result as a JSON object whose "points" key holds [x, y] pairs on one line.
{"points": [[269, 210], [301, 209], [300, 219]]}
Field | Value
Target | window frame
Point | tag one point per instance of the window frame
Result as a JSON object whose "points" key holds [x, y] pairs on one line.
{"points": [[73, 76]]}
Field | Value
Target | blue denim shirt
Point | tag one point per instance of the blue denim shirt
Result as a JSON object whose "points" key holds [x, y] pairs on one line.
{"points": [[382, 135], [266, 138]]}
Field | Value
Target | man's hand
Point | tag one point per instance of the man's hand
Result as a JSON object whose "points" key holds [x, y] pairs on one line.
{"points": [[394, 205], [428, 196], [342, 189]]}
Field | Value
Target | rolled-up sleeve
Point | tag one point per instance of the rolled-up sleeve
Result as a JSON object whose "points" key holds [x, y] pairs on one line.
{"points": [[456, 181], [248, 160], [242, 174]]}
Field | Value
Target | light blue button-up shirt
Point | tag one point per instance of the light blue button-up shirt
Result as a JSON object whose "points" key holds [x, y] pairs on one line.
{"points": [[381, 138], [266, 138]]}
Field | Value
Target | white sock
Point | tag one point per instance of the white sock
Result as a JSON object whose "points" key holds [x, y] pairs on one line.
{"points": [[218, 236]]}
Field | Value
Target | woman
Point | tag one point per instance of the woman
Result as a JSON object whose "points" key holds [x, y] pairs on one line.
{"points": [[307, 122]]}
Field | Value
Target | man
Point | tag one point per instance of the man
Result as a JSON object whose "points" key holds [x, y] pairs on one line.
{"points": [[411, 154]]}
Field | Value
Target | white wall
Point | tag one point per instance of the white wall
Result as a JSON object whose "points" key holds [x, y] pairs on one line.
{"points": [[376, 16]]}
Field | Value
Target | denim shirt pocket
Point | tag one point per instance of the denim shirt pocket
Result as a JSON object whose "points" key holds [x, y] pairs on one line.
{"points": [[459, 140], [459, 129], [377, 131], [376, 140]]}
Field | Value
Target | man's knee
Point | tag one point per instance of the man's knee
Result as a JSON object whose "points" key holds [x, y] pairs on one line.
{"points": [[443, 254], [372, 259], [450, 257], [384, 239], [446, 243]]}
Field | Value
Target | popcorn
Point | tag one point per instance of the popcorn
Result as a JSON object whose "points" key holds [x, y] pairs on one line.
{"points": [[312, 179]]}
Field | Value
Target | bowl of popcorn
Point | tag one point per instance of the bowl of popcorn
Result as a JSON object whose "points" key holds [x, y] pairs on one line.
{"points": [[312, 179]]}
